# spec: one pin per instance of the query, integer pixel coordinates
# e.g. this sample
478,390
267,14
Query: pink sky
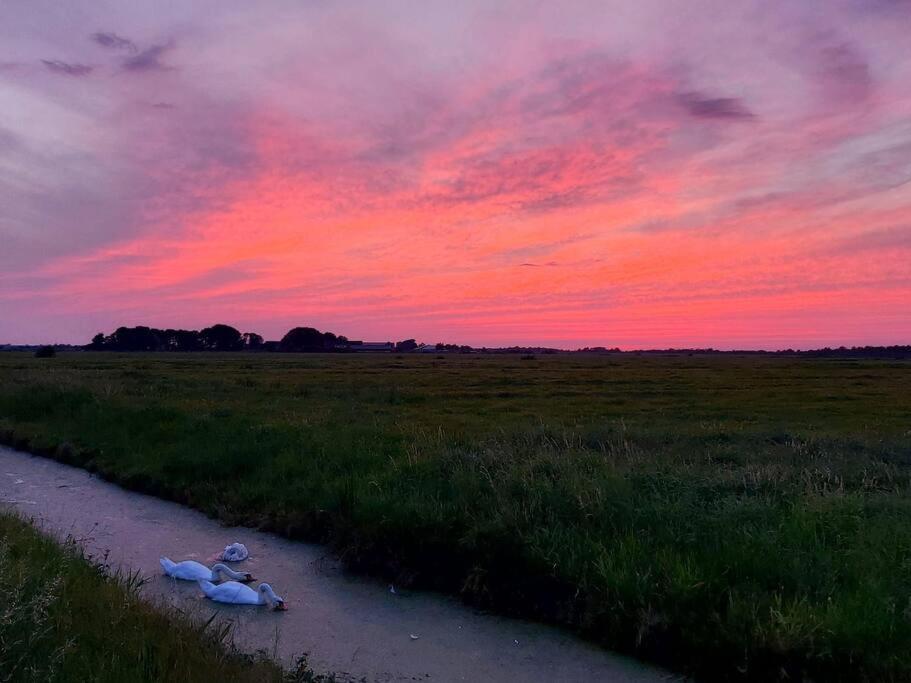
648,174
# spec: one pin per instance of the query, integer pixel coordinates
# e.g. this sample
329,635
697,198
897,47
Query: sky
643,174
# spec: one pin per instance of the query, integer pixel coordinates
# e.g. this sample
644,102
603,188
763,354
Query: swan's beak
280,606
248,578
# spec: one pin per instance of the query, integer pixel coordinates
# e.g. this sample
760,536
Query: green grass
64,618
735,517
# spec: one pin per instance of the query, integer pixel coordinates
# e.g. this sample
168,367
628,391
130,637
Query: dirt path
349,625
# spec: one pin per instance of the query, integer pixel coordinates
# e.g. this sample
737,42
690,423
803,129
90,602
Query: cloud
149,59
897,237
720,108
897,6
66,69
843,72
542,248
8,140
113,42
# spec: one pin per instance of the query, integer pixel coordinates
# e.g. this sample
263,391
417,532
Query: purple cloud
112,41
149,59
66,69
8,140
844,73
894,237
720,108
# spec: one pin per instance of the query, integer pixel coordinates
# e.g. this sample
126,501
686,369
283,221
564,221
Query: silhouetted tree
221,338
186,340
252,341
406,345
307,339
97,342
139,338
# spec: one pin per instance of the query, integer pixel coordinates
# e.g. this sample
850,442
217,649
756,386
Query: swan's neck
227,571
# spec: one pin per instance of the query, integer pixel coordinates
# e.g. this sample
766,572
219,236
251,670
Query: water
349,625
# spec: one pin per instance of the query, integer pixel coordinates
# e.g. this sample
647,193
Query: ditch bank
349,625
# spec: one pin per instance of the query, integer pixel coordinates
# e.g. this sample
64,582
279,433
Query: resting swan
239,594
190,570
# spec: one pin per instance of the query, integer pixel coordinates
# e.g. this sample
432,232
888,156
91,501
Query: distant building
360,346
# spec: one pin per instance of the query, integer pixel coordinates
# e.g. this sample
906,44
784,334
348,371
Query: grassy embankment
64,618
734,517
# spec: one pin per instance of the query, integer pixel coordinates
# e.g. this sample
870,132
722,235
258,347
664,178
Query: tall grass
735,518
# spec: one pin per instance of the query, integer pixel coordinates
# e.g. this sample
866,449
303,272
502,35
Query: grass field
731,516
64,618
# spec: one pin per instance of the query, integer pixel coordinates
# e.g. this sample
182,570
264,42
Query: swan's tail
167,565
206,586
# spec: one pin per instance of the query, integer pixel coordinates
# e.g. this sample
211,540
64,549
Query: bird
236,593
234,553
190,570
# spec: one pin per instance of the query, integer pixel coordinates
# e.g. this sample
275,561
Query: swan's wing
190,570
197,567
237,593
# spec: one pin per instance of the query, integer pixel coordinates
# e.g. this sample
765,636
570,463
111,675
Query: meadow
66,617
734,517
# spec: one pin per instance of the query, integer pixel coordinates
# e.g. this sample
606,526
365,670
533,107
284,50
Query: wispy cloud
67,69
721,108
149,59
112,41
896,237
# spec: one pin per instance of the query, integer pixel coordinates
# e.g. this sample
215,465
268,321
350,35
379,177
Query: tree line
215,338
309,339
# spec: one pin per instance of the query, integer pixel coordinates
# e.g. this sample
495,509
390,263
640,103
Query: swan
190,570
238,594
234,553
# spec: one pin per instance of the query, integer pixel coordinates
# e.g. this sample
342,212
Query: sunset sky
633,174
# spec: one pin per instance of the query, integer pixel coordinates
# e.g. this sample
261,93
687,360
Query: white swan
190,570
239,594
234,553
